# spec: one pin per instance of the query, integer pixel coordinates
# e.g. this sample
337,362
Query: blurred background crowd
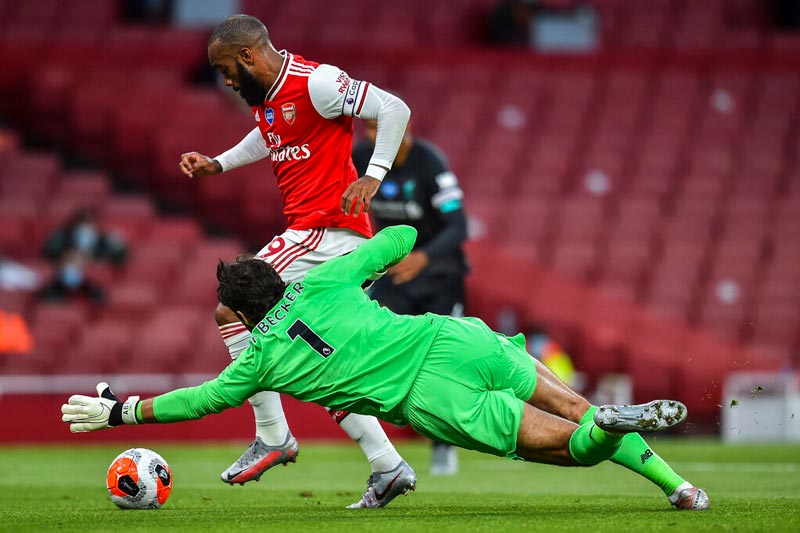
629,168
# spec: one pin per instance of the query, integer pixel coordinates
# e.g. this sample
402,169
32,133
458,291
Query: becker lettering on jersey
281,310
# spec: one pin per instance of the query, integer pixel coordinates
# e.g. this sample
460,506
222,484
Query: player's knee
223,315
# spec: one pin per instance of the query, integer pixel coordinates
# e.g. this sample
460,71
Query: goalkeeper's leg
633,452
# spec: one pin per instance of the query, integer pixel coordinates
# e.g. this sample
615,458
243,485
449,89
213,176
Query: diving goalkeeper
453,380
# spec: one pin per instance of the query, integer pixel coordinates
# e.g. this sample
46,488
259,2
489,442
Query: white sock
369,435
271,423
676,494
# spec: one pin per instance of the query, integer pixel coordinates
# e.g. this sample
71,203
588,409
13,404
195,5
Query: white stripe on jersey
298,66
274,92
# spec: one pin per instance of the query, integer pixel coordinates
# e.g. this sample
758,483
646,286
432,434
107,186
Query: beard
250,88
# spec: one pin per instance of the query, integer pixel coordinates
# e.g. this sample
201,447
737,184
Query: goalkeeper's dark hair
240,31
249,285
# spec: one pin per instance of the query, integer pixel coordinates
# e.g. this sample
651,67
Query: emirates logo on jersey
289,113
278,152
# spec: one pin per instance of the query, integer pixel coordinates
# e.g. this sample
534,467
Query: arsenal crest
289,113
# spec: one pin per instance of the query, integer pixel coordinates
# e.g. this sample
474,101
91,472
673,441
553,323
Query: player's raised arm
249,150
386,248
334,94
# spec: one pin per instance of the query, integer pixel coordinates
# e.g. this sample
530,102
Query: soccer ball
139,479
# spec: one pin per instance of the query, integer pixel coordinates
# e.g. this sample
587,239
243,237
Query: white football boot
657,415
383,487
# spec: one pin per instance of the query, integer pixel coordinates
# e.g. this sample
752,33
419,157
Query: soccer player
304,124
453,380
422,192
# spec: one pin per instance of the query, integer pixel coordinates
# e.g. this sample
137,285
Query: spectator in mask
83,233
70,281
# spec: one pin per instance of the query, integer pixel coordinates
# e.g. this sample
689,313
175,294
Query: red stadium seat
653,369
183,233
208,352
102,348
210,251
14,235
41,360
196,285
700,381
131,302
92,12
163,349
16,302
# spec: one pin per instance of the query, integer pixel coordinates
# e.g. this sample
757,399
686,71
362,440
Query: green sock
590,445
635,454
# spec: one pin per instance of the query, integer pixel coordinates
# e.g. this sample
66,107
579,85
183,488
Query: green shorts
471,388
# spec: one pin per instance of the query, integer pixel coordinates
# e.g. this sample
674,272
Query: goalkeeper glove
87,413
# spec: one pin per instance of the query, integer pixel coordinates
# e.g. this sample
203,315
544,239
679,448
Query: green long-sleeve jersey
326,342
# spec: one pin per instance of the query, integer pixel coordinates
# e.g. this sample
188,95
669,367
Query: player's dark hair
240,31
249,285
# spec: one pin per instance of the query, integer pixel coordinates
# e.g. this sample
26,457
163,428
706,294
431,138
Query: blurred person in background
15,276
304,124
421,191
82,232
70,280
510,22
544,348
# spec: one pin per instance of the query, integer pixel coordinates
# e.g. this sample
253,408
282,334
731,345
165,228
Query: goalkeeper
453,380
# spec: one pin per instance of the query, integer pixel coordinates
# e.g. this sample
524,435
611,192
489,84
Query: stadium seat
700,382
14,236
16,301
207,354
102,348
210,251
183,233
131,301
164,348
154,263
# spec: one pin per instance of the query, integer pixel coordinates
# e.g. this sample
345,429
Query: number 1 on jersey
300,329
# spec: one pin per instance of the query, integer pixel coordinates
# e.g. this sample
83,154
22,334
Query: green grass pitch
752,488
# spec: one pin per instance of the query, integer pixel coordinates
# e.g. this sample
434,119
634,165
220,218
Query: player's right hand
89,413
194,165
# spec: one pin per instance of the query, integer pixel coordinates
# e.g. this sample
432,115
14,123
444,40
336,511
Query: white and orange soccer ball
139,479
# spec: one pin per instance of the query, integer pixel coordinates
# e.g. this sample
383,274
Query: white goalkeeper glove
87,413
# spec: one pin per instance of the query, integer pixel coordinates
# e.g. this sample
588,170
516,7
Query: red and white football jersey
311,154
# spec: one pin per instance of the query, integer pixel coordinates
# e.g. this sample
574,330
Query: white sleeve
249,150
334,94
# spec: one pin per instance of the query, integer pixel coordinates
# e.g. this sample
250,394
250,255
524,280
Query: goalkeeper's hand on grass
89,413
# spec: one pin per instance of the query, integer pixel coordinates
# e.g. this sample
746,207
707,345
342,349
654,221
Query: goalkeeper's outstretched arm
92,413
